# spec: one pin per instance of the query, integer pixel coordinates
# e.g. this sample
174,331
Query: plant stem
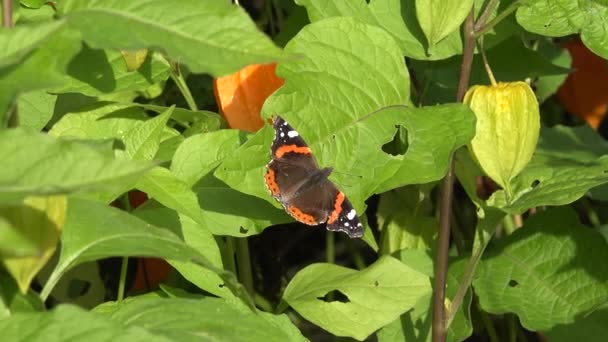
123,279
356,256
7,13
487,323
243,261
439,329
178,77
512,327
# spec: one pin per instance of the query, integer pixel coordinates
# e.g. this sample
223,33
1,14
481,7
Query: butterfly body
295,179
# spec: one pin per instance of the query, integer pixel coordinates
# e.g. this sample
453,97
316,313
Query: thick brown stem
443,241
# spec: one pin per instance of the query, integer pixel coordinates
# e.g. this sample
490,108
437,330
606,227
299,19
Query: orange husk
584,91
240,96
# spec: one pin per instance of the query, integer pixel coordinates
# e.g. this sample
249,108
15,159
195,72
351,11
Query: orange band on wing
271,182
337,208
301,216
291,148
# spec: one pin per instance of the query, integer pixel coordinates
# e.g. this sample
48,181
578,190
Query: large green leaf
375,296
43,67
96,72
217,38
43,165
558,18
195,236
549,272
346,118
196,319
70,323
568,162
397,17
94,231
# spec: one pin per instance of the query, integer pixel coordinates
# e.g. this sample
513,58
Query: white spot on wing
346,224
351,214
292,134
282,134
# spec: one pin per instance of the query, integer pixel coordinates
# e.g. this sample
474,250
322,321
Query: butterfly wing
292,162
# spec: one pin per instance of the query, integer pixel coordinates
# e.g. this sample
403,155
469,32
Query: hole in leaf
513,283
535,183
243,230
334,296
78,287
376,283
222,286
399,144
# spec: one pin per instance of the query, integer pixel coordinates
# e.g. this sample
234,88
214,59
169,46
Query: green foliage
105,100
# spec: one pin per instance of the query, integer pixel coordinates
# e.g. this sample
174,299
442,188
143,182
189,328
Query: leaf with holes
363,301
556,18
220,32
549,272
346,119
567,163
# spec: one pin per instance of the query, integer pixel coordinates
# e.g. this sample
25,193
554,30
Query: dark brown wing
313,205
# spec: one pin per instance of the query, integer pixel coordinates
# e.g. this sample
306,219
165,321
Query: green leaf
415,325
225,210
36,109
363,115
33,3
557,18
190,319
70,323
20,41
374,297
95,72
195,236
221,32
396,17
548,85
568,162
548,272
43,165
12,301
200,154
94,231
44,67
405,217
439,18
143,140
161,185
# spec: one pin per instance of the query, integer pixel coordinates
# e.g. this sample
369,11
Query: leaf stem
123,279
178,77
486,65
482,28
7,13
330,248
243,262
439,328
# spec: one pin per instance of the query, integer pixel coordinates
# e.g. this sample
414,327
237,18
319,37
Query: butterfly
294,178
